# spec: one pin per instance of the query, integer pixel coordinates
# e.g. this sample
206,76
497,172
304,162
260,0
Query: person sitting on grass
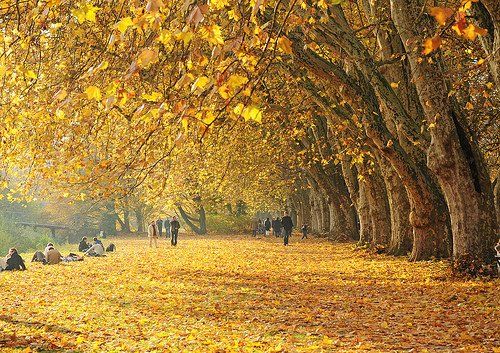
47,249
97,249
83,245
14,261
38,256
53,256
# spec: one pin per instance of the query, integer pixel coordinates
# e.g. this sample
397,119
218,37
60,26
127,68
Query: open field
222,294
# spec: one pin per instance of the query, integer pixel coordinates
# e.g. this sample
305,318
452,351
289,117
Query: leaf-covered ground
245,295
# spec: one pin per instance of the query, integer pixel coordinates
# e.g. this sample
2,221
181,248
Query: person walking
166,225
174,225
153,234
277,227
159,226
287,224
304,231
267,226
255,227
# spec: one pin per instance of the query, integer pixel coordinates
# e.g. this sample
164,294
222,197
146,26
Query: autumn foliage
245,295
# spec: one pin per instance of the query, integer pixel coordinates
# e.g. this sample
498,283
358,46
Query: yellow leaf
212,34
394,84
153,97
285,45
185,36
471,32
93,92
384,324
431,44
201,83
441,14
31,74
185,124
147,57
124,24
469,106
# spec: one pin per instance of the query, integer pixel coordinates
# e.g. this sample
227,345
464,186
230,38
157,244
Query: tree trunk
378,209
199,229
401,233
139,216
453,154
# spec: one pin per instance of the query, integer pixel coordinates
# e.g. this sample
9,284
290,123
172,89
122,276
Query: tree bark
453,154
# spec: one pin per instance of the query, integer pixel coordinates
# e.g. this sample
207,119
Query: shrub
24,239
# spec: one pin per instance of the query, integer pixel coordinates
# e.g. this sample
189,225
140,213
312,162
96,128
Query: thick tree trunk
493,49
378,209
139,216
453,154
191,221
401,233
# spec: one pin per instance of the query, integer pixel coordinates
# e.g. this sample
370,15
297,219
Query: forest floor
223,294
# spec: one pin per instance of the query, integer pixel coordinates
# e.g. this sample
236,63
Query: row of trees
375,120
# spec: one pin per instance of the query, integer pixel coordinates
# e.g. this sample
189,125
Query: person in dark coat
267,226
14,261
304,230
83,245
174,228
277,227
166,225
287,224
159,225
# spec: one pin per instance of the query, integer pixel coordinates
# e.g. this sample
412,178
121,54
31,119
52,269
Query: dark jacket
175,224
276,224
287,222
83,246
267,224
159,224
15,262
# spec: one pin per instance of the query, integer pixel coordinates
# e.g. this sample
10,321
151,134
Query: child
304,231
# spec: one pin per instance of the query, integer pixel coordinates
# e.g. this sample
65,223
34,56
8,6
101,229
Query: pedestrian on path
153,234
159,226
166,225
287,224
267,225
174,225
304,231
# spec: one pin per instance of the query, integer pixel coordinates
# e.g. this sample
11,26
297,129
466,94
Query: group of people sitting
94,249
52,256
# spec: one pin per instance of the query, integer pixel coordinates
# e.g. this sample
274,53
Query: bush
228,224
23,239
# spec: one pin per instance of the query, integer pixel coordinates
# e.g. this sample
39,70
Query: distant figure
174,225
497,249
260,227
14,261
166,225
38,256
304,231
159,225
53,256
255,227
97,249
287,223
277,227
49,245
111,247
153,234
267,226
83,245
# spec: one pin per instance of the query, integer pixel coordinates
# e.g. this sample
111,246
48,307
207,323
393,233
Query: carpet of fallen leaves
225,294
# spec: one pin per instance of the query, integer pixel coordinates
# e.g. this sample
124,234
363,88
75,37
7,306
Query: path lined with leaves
245,295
